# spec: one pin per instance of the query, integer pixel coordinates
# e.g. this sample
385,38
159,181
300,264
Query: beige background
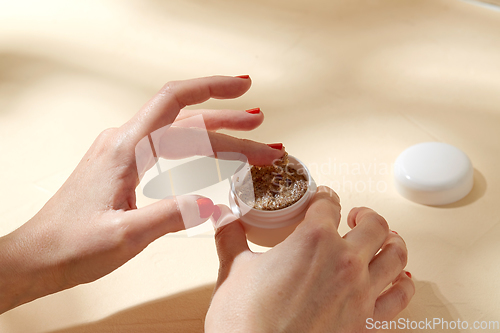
345,85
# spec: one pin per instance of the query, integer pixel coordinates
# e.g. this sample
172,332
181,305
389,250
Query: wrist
24,277
12,281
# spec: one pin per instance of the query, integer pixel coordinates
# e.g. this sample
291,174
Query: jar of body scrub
271,201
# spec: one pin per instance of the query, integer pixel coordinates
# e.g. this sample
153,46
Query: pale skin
325,282
92,226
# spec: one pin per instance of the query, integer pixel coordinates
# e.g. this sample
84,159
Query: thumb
168,215
230,238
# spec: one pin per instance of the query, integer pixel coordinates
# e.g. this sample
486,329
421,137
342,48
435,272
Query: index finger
163,108
369,232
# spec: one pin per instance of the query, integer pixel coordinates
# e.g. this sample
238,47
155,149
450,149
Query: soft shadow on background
426,304
477,192
341,72
183,312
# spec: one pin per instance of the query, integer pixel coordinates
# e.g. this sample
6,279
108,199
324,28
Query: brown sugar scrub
275,186
280,204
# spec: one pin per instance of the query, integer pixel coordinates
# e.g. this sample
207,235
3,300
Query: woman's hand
315,280
92,226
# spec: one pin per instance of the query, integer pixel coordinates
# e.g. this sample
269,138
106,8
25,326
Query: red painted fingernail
206,207
408,274
394,232
243,76
216,214
278,146
254,111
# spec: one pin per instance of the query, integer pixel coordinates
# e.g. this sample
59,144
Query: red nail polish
243,76
278,146
394,232
216,214
254,111
206,207
408,274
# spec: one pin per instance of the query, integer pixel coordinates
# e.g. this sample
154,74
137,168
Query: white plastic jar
270,227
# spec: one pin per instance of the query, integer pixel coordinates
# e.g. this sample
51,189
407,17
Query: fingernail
408,274
216,214
394,232
278,146
243,76
206,207
254,111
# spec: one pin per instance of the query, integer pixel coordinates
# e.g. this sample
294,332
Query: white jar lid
433,173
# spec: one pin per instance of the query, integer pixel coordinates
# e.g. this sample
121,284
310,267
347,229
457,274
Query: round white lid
433,173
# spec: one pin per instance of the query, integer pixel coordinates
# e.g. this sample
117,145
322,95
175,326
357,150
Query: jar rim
273,218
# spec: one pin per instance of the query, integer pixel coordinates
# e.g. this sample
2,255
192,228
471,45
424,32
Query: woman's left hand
92,226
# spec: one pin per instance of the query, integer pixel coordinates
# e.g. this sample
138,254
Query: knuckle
399,252
349,265
349,269
330,192
402,298
111,139
221,235
376,218
169,90
129,244
333,201
246,142
221,242
121,236
319,232
107,134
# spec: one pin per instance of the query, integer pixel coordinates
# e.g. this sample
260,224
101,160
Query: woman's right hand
315,280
